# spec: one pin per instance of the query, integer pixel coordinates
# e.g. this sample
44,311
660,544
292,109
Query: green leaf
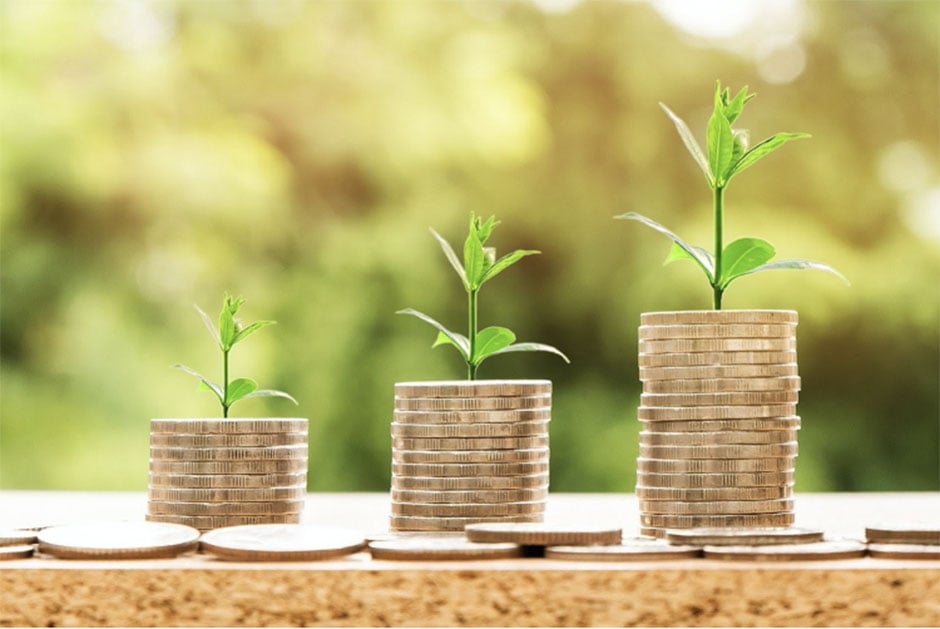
531,347
452,258
797,264
743,255
239,388
690,143
272,393
761,149
473,260
491,340
228,328
483,229
734,107
739,144
211,326
702,257
505,262
211,385
457,340
720,141
254,327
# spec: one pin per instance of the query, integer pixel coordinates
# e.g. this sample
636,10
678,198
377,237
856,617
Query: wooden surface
357,591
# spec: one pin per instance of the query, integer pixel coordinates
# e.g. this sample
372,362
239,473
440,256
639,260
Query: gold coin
544,534
747,398
762,536
209,522
230,454
470,431
705,372
699,521
259,494
675,346
472,417
20,551
452,483
473,388
469,469
717,330
439,524
750,437
223,481
904,533
281,542
717,425
714,480
712,466
898,551
720,507
117,540
714,359
636,549
722,385
471,496
467,510
696,413
271,507
472,403
275,466
16,537
730,452
250,425
227,440
813,551
495,443
440,548
470,456
693,317
699,494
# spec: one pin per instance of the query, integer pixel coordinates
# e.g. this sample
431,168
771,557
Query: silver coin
173,494
467,510
473,417
226,440
813,551
232,481
472,403
469,469
699,345
281,542
715,480
721,437
16,537
470,496
718,507
698,494
455,483
415,523
628,550
270,453
710,521
703,359
440,548
722,385
545,534
690,413
904,533
744,537
240,468
717,330
898,551
209,522
273,507
724,317
470,456
719,425
21,551
471,443
117,540
707,372
469,431
714,466
221,426
737,398
473,388
732,451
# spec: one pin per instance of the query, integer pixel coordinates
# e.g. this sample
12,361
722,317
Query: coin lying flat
118,540
722,385
744,398
710,521
281,542
544,534
763,536
469,482
687,359
900,551
467,443
635,549
208,522
721,507
418,523
472,417
764,370
471,403
230,454
673,346
268,494
720,466
21,551
471,497
441,548
16,537
473,388
717,331
469,431
813,551
271,507
733,451
276,466
227,481
715,480
467,510
690,413
689,494
468,469
721,425
470,456
254,425
692,317
227,440
910,533
721,437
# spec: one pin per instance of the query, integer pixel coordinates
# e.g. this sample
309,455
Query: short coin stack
211,473
469,451
719,425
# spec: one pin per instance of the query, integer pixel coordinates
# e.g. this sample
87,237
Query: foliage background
155,154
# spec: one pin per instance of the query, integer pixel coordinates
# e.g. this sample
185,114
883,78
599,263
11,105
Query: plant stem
224,383
719,224
472,334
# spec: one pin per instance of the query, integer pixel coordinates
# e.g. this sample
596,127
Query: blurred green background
156,154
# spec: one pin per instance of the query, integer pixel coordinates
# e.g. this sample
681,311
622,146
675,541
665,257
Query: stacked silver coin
469,451
719,426
210,473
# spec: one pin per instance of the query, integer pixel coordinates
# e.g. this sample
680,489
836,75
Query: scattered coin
227,440
441,548
714,466
701,359
693,317
734,451
717,330
722,385
208,522
813,551
472,417
470,456
675,346
693,494
910,533
275,466
470,443
467,510
721,437
117,540
702,521
254,425
714,480
544,534
450,483
16,537
470,431
763,536
414,523
636,549
273,507
695,413
705,372
471,403
21,551
745,398
470,497
225,495
232,481
473,388
468,469
230,454
719,507
718,425
281,542
900,551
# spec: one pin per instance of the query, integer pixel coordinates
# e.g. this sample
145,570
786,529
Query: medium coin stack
719,427
212,473
469,451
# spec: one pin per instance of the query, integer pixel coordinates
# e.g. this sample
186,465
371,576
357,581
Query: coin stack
469,451
719,427
210,473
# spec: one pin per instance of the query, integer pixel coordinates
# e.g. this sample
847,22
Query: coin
233,481
691,317
276,466
544,534
281,542
690,413
468,469
744,537
701,521
16,537
718,507
898,551
117,540
674,346
470,456
470,431
717,425
441,548
719,371
271,507
701,359
909,533
253,425
813,551
497,443
733,451
749,398
470,496
453,483
714,480
693,494
467,510
628,550
751,437
21,551
174,494
230,454
208,522
472,417
713,466
414,523
472,403
717,330
473,388
227,440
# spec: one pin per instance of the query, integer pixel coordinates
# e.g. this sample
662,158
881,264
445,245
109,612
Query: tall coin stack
718,443
465,452
211,473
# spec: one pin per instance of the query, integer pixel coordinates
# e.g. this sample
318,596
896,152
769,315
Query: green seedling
230,332
480,265
728,155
